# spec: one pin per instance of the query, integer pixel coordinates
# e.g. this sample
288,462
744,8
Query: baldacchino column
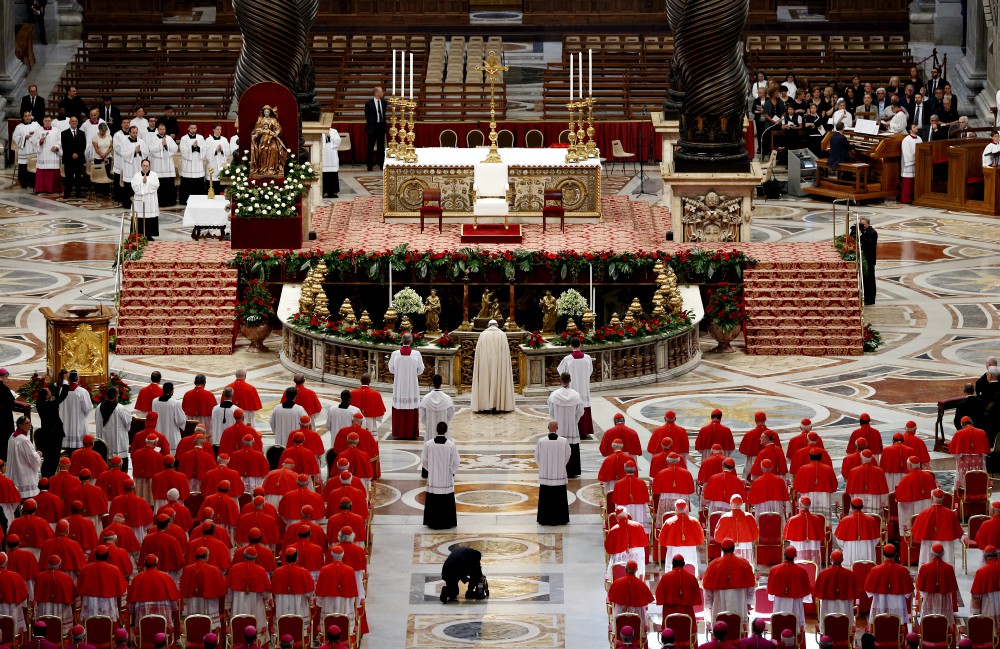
711,179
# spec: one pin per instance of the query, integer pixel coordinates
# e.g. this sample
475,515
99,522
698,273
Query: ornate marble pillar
948,22
13,73
922,20
972,68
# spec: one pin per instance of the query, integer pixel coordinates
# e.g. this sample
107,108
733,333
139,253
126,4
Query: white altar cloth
201,211
515,157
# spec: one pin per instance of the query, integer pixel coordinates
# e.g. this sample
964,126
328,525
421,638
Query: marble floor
937,309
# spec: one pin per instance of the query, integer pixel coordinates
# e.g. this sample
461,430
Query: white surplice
579,370
285,420
566,408
44,141
338,418
171,419
551,456
222,418
331,159
492,373
73,412
192,162
91,128
23,465
909,149
23,136
146,202
441,463
406,371
132,153
161,155
435,407
217,152
115,432
255,604
118,141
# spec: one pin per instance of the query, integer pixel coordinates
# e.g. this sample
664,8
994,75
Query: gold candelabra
393,149
492,68
582,144
409,152
571,155
592,150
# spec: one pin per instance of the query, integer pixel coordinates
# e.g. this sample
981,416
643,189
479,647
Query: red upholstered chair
193,503
969,540
887,631
936,633
617,571
54,631
974,498
684,630
100,631
195,628
784,620
295,626
343,623
763,606
770,545
812,570
980,630
623,620
8,628
553,208
892,519
713,546
733,620
861,570
432,211
839,627
236,626
149,626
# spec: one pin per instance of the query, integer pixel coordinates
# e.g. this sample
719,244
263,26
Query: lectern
76,338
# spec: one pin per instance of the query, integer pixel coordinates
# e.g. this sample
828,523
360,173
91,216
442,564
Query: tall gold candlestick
581,149
411,136
592,150
393,147
571,156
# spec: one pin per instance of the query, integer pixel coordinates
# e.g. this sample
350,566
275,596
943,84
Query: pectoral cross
492,68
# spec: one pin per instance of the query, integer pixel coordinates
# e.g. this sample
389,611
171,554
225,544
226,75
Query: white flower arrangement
265,199
571,303
407,301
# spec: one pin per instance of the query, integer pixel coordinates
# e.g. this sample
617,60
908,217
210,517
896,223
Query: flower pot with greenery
407,302
255,314
265,213
571,304
725,315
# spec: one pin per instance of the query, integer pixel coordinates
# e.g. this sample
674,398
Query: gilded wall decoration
712,218
82,350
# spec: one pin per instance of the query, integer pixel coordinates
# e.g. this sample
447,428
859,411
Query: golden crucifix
492,68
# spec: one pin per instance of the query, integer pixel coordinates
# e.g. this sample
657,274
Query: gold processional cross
492,68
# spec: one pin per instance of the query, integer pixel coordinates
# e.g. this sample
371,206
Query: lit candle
402,74
394,73
581,76
571,77
590,79
411,76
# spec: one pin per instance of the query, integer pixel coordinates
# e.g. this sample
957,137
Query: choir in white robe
566,408
23,465
216,155
192,162
91,127
161,155
435,407
441,462
118,141
171,419
140,123
132,153
222,418
338,418
44,141
579,370
552,456
74,412
991,155
492,373
285,420
23,137
114,433
909,149
234,145
145,200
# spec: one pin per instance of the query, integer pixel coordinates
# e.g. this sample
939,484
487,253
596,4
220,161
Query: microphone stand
641,190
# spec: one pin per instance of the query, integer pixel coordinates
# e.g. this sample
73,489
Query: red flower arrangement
535,340
257,305
114,380
725,306
446,341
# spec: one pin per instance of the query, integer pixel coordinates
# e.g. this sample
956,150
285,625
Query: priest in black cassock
439,463
551,455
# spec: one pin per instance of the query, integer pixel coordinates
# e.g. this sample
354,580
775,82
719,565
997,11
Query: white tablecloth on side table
205,212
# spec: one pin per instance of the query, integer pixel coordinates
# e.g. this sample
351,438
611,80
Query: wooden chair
888,631
534,139
812,570
345,145
633,620
770,545
194,630
8,629
969,540
936,632
563,136
980,630
100,631
553,208
475,138
448,139
505,139
342,622
427,210
619,154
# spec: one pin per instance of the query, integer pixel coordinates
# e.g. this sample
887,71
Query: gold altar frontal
530,173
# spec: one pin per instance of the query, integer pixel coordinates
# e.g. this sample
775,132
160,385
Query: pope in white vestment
566,409
74,412
406,366
492,373
435,407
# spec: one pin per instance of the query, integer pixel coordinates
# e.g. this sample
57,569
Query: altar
531,172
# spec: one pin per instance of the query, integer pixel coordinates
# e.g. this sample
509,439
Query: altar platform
531,172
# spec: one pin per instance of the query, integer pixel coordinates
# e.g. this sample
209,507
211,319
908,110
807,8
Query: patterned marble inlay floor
461,630
496,548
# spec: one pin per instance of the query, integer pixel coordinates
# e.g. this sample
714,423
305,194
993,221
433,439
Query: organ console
872,173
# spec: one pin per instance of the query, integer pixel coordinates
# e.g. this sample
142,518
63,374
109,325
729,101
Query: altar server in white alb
193,155
341,415
580,367
991,154
436,406
47,143
117,142
439,462
492,373
552,454
909,148
23,464
113,421
406,366
286,417
74,412
23,139
566,409
171,419
217,151
223,415
133,152
145,201
161,155
331,163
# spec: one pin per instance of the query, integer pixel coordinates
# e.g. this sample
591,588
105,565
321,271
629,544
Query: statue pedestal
669,131
77,342
699,217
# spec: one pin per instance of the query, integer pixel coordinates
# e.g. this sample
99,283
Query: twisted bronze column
707,34
274,42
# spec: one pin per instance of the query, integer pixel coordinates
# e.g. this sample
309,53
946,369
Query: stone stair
803,308
177,307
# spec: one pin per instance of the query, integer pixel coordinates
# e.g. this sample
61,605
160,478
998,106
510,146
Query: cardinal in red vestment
671,483
87,458
49,506
712,464
801,440
613,468
54,592
815,446
268,530
989,531
164,546
202,585
305,397
753,440
937,523
722,486
137,512
854,459
218,551
986,586
659,461
232,436
729,583
127,539
913,493
359,462
32,529
628,436
890,586
626,540
139,441
911,439
770,450
715,433
678,590
369,402
893,460
292,502
681,534
740,527
788,587
13,594
872,437
62,546
115,555
63,481
347,518
112,481
264,556
358,496
806,532
144,401
303,459
629,594
970,445
768,493
817,481
632,493
868,483
199,402
81,528
245,395
23,562
938,586
101,579
169,478
858,534
153,590
836,587
676,434
366,442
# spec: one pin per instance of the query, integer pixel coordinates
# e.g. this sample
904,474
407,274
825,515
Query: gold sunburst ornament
492,68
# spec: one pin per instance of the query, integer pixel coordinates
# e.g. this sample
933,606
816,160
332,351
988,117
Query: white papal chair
490,191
